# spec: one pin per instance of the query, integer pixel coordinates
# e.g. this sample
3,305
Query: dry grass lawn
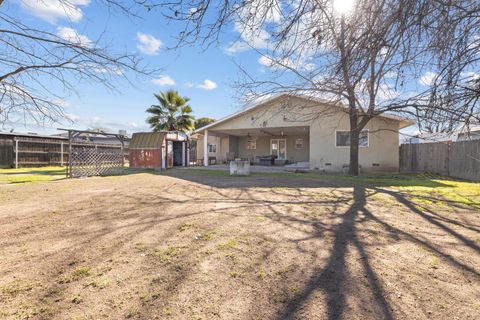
202,245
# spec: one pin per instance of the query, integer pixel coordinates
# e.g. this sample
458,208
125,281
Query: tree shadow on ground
221,179
333,278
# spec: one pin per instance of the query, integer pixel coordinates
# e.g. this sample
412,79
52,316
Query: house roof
404,122
147,140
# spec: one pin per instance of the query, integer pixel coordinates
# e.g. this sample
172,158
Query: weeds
185,226
76,275
168,254
208,235
15,287
230,244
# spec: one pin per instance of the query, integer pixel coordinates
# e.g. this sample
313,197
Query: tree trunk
354,142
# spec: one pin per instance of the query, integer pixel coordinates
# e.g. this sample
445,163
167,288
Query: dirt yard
202,245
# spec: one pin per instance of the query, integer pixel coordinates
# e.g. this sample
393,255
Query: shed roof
147,140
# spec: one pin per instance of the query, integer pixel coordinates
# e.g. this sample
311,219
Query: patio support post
205,149
184,149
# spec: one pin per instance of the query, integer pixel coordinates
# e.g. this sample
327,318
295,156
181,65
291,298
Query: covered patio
268,146
296,167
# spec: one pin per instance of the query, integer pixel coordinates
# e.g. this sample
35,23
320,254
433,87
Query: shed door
169,154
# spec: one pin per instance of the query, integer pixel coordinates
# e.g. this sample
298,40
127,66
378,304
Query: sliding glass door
278,148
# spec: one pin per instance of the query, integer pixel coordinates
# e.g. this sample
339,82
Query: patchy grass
420,185
186,226
230,244
15,287
168,254
29,175
77,274
207,235
191,244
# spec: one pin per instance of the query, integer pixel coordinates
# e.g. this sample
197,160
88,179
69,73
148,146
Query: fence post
61,154
69,169
123,156
16,154
449,154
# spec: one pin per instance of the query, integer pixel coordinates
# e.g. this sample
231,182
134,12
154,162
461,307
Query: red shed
159,150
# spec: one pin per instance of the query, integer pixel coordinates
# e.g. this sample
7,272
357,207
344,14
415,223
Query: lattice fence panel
95,161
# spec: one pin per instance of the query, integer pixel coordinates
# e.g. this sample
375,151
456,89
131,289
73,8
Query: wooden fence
455,159
29,152
6,153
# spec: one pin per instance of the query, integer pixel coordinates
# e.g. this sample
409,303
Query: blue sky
205,76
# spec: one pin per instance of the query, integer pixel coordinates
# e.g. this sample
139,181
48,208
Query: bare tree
455,85
39,67
361,55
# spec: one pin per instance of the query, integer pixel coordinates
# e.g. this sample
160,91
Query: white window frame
368,139
210,147
296,145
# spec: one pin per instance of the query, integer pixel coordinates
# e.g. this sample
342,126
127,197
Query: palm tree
202,122
172,113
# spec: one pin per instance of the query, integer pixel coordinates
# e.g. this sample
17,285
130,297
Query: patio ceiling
277,131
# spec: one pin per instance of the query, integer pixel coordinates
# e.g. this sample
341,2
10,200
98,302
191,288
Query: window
212,148
299,143
251,144
343,139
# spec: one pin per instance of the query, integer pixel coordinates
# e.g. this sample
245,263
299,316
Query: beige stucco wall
291,112
383,146
323,121
222,147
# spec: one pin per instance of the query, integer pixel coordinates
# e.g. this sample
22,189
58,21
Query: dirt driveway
197,245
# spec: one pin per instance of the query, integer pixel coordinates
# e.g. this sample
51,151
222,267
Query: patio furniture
266,160
230,157
212,160
280,162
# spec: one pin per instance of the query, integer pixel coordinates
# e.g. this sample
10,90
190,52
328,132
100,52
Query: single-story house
297,129
159,150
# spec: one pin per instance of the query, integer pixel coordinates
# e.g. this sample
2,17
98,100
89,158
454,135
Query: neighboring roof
147,140
32,135
406,122
444,136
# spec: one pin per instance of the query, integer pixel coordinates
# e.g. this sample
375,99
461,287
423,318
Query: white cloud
164,81
148,44
265,61
95,122
72,35
469,75
286,63
62,103
51,10
207,85
72,117
386,93
249,24
236,47
428,78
